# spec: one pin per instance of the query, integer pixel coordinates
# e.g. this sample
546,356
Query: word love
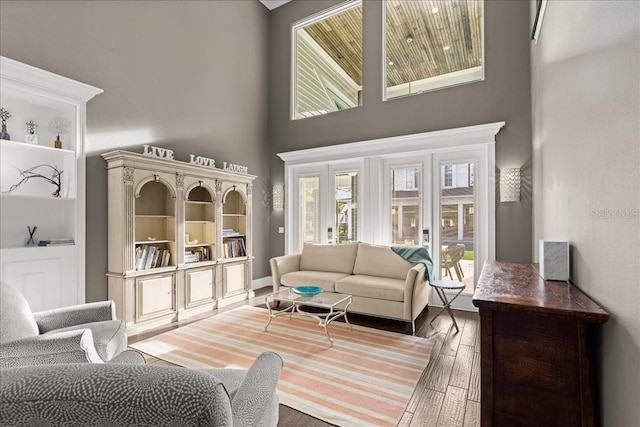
202,161
163,153
234,168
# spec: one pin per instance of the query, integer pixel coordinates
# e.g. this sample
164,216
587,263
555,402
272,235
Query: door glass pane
309,215
405,206
457,223
346,207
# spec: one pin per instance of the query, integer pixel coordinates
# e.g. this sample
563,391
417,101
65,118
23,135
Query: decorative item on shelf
57,242
59,126
32,241
4,115
31,173
31,137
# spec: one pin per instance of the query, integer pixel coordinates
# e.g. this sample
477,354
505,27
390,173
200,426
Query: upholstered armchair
82,333
141,395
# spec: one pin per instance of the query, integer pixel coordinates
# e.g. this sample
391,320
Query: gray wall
504,95
586,144
190,76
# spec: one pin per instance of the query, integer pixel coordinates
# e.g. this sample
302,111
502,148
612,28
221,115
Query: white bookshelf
49,276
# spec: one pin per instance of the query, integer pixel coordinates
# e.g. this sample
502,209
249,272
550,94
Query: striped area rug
365,379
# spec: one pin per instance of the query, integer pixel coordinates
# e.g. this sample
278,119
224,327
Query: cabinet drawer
200,287
155,296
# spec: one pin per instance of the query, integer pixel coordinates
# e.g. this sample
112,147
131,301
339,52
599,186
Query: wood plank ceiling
424,38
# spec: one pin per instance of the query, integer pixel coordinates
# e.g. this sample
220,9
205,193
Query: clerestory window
431,44
327,61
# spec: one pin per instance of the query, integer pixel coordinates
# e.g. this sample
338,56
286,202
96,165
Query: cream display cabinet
179,238
50,269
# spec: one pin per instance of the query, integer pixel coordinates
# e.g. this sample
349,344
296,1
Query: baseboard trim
262,282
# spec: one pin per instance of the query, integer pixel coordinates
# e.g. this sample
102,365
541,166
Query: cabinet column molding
128,211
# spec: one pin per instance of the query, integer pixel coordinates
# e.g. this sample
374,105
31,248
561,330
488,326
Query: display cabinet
179,238
49,269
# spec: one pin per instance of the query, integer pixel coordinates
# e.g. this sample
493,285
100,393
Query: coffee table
325,300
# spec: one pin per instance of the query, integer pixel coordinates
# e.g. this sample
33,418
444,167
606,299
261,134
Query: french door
435,189
326,204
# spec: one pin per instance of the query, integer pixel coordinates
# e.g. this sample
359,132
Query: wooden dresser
536,351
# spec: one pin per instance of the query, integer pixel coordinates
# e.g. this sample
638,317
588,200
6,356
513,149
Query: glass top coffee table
328,301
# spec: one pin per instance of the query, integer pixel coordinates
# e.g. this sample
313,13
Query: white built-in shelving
49,276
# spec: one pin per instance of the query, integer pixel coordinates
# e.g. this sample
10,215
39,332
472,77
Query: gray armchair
82,333
141,395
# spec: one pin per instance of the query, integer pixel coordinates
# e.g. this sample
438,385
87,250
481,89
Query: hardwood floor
447,394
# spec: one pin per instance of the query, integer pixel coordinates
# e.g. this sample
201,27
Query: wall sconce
510,185
278,197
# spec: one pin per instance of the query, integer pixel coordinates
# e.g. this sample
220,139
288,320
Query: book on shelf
192,256
56,242
149,256
230,232
234,248
202,253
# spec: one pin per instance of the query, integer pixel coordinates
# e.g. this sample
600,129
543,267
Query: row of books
56,242
234,248
202,253
148,256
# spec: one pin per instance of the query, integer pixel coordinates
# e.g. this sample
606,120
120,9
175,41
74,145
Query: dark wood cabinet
536,351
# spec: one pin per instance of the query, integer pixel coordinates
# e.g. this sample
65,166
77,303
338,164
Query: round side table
440,286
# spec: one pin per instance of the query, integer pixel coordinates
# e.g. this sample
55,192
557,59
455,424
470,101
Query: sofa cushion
16,318
109,337
324,279
85,394
380,261
372,287
336,258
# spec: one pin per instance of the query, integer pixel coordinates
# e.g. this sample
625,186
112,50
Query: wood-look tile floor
447,394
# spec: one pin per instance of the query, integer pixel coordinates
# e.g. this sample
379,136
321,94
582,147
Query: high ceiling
272,4
425,38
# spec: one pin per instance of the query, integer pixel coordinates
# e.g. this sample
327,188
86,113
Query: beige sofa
381,282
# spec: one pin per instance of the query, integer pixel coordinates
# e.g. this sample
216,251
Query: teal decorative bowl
306,291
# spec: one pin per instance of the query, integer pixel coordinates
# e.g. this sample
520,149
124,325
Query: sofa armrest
282,265
74,315
251,404
63,347
129,357
415,288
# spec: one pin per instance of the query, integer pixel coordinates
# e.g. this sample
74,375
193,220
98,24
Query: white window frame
326,173
303,23
444,81
483,199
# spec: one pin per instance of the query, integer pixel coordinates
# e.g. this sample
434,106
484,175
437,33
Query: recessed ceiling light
434,10
447,48
390,62
409,39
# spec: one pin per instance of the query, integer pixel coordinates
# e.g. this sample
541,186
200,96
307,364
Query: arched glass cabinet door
234,227
155,226
199,226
